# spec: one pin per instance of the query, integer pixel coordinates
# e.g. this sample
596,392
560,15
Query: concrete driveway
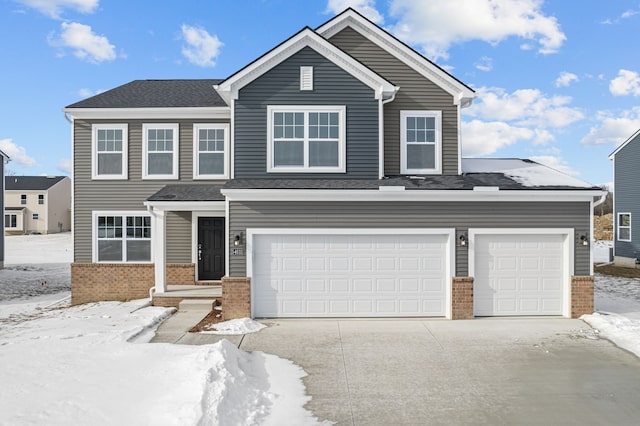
486,371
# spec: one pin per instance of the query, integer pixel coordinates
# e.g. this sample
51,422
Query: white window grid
124,227
435,134
108,139
623,227
155,141
217,141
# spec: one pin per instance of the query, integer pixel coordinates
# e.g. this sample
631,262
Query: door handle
199,252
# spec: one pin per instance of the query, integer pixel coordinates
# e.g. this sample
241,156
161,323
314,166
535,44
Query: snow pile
525,172
81,365
622,331
235,326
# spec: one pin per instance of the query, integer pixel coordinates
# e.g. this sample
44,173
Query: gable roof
4,156
157,94
463,94
305,38
30,183
623,144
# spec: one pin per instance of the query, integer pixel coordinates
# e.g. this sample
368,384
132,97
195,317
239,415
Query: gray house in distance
4,159
323,179
626,202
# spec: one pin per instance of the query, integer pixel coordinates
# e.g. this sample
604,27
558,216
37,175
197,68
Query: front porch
175,294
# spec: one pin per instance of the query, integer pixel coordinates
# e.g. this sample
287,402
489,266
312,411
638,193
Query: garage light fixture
237,239
463,240
584,240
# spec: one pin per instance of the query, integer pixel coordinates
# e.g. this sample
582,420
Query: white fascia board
204,113
412,195
623,144
305,38
462,95
185,206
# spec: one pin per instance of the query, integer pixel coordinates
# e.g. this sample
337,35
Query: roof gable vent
306,78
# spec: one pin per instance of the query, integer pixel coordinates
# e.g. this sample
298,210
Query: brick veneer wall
93,282
181,273
236,297
581,296
461,298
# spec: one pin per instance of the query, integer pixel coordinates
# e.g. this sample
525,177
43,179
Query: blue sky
555,82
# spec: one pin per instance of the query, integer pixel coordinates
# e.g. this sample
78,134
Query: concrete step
197,304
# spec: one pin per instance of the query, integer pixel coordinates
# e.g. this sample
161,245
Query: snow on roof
525,172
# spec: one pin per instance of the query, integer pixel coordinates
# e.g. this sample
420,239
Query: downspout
152,289
381,104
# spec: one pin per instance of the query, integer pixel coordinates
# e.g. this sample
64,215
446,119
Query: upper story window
160,151
308,139
420,142
624,226
122,237
40,198
23,199
210,151
109,155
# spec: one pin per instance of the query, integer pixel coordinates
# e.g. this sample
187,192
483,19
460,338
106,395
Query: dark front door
210,248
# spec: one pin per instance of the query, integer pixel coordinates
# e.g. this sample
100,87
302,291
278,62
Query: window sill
211,177
114,177
160,177
305,170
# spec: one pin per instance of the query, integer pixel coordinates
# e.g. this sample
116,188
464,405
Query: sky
556,81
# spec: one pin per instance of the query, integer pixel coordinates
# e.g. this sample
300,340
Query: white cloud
435,25
17,153
54,8
613,130
566,78
484,138
366,7
202,48
485,64
87,93
525,107
626,83
555,162
65,166
629,13
86,45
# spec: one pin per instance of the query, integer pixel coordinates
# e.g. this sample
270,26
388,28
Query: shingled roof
30,183
157,94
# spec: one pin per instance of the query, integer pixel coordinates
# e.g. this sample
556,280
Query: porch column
159,251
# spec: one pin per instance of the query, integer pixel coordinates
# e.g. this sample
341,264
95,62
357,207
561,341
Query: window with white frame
122,237
109,151
306,139
160,151
624,226
421,142
210,148
10,221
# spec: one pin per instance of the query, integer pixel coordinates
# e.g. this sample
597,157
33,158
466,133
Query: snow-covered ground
36,265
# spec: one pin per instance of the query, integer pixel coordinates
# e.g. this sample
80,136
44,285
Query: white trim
94,150
459,141
185,206
172,113
175,127
462,95
123,213
232,135
229,88
437,115
412,195
73,185
450,251
614,210
568,253
196,150
380,139
227,263
306,78
159,250
618,227
591,237
194,237
306,109
623,144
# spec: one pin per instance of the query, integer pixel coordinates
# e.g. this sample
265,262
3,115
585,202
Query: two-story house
37,204
626,202
4,159
323,179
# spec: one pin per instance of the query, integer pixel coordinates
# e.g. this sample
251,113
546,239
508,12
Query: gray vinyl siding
118,195
627,196
416,93
281,86
459,215
2,210
178,237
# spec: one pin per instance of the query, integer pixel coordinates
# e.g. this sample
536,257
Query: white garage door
349,275
518,275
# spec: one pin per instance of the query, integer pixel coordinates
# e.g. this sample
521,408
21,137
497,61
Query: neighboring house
626,202
4,159
37,204
324,179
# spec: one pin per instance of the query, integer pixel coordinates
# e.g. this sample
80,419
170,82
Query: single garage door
518,275
349,275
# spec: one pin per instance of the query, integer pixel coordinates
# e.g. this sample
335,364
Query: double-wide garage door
519,274
317,275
